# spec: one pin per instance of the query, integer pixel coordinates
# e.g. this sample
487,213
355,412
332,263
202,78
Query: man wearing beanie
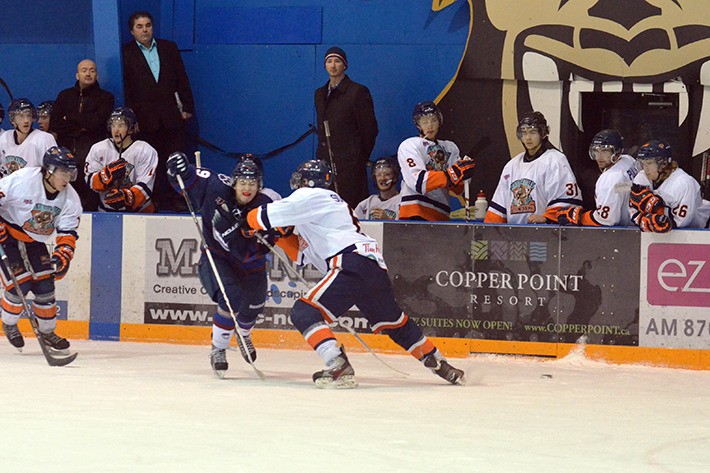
348,108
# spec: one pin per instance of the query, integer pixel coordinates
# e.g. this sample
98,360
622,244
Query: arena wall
475,288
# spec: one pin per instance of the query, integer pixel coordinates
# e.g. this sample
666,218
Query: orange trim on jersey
253,219
409,210
290,246
319,336
11,308
436,180
492,217
396,325
45,312
322,282
18,235
420,351
9,284
66,240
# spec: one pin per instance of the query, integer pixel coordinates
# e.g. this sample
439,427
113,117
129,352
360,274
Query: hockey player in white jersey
329,237
536,184
24,146
430,168
664,196
37,206
120,169
611,193
385,204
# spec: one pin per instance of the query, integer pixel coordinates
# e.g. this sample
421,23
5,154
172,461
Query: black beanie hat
337,52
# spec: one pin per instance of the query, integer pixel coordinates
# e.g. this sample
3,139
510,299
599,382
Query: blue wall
254,65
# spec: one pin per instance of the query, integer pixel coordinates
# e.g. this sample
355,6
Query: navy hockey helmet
389,162
126,115
426,108
248,168
45,108
313,173
534,120
21,105
658,150
59,158
607,140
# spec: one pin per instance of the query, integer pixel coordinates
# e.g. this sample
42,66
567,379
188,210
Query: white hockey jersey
611,193
423,163
323,223
681,194
14,156
364,209
30,214
534,187
140,171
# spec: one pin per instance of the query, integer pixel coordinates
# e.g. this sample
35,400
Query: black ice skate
339,374
218,359
13,335
56,343
249,350
442,368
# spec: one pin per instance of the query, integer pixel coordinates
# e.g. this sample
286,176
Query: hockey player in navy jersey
38,206
239,260
328,236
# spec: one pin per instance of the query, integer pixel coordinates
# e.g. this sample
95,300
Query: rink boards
528,290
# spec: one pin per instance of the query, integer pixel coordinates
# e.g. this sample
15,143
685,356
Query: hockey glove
459,172
655,223
227,222
120,199
114,171
570,216
3,232
177,165
645,201
61,257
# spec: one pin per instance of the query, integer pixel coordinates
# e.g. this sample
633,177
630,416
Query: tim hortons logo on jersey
176,263
678,275
42,220
522,202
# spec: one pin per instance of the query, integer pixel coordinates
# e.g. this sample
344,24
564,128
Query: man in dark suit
348,108
158,90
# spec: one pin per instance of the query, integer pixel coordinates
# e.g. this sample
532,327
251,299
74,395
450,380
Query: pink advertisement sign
678,275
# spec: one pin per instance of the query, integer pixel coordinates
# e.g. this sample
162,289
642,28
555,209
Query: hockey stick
217,277
330,155
480,145
294,273
51,359
198,159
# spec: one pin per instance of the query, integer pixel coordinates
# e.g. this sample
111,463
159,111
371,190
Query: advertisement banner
675,290
510,283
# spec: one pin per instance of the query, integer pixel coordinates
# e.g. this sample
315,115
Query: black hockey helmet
658,150
45,108
313,173
534,120
607,140
248,168
59,157
126,115
426,108
388,162
21,105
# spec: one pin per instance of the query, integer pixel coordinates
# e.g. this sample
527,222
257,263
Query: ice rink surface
155,408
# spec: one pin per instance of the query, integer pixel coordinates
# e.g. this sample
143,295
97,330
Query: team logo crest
522,199
42,220
13,163
438,157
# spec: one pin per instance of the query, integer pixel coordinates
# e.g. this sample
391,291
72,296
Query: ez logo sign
678,275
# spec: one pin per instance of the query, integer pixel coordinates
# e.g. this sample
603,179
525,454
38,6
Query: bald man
79,118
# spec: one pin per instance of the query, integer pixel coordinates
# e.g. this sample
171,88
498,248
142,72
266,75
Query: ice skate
218,359
13,335
338,374
442,368
56,343
249,350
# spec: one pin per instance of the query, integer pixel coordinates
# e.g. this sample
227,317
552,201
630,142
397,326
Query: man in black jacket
78,118
347,107
158,90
